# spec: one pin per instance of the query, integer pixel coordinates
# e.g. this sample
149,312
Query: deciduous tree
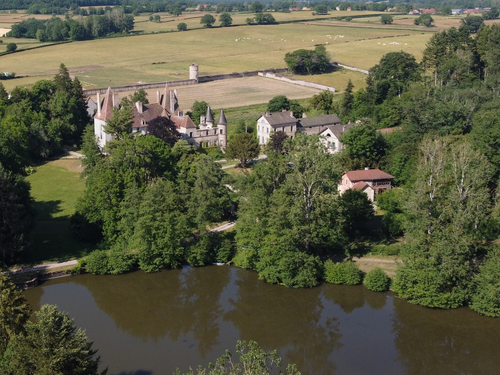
243,147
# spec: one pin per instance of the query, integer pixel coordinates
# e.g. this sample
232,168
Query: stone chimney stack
304,115
367,168
138,105
98,103
116,102
291,114
158,97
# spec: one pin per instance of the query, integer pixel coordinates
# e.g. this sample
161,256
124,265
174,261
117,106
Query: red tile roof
361,185
368,175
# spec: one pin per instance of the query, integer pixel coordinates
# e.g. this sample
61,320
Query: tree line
56,29
34,125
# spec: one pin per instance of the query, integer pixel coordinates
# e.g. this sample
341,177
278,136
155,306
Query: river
150,324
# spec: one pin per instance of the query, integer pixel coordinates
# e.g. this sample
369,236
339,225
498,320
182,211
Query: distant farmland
166,56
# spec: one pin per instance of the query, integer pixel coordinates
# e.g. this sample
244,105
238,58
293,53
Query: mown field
55,187
159,57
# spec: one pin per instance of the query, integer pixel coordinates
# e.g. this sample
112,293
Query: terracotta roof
222,118
280,118
106,107
368,175
324,120
361,185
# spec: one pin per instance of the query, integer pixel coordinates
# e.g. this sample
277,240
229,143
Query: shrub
109,262
11,47
182,26
246,257
376,280
486,298
342,273
97,262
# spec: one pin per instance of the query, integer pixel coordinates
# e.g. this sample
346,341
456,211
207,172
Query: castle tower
222,129
193,72
209,118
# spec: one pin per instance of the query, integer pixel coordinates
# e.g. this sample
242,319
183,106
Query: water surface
150,324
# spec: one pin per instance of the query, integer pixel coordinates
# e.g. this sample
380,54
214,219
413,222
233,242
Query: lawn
55,187
160,57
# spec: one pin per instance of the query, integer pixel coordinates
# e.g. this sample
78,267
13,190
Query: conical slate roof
208,116
222,118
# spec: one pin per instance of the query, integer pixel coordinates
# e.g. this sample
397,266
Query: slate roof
337,130
324,120
368,175
280,118
208,116
183,122
222,118
149,112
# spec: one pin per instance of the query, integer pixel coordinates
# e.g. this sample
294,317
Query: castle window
221,131
215,131
258,128
190,134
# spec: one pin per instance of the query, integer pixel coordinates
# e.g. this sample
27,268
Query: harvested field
236,92
155,58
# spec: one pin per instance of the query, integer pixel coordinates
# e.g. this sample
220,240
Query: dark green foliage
207,20
324,102
376,280
342,273
199,109
304,61
243,147
281,102
321,9
386,19
225,19
264,19
16,216
182,26
11,47
346,105
392,76
486,296
472,23
448,215
109,262
51,345
491,14
14,312
424,19
277,140
55,29
392,202
356,210
364,146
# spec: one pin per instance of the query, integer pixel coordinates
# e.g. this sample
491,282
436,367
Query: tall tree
14,312
243,147
448,212
164,128
347,102
52,345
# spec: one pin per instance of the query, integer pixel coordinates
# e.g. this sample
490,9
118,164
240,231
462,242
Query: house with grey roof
327,126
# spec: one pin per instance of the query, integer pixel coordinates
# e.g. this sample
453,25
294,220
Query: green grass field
55,187
159,57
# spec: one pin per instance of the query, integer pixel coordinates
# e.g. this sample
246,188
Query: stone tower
193,72
222,129
209,120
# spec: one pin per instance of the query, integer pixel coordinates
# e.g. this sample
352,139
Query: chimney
367,168
98,103
304,115
291,114
116,102
343,128
158,97
138,105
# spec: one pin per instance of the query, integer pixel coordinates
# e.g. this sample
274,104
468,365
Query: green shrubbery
342,273
376,280
103,262
486,299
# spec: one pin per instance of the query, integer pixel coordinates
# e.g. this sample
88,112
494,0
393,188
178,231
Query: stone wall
185,82
296,81
345,66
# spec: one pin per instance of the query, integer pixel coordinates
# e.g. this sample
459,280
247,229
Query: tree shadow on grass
45,210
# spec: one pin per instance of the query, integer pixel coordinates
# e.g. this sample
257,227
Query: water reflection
446,341
283,318
350,298
149,324
167,304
